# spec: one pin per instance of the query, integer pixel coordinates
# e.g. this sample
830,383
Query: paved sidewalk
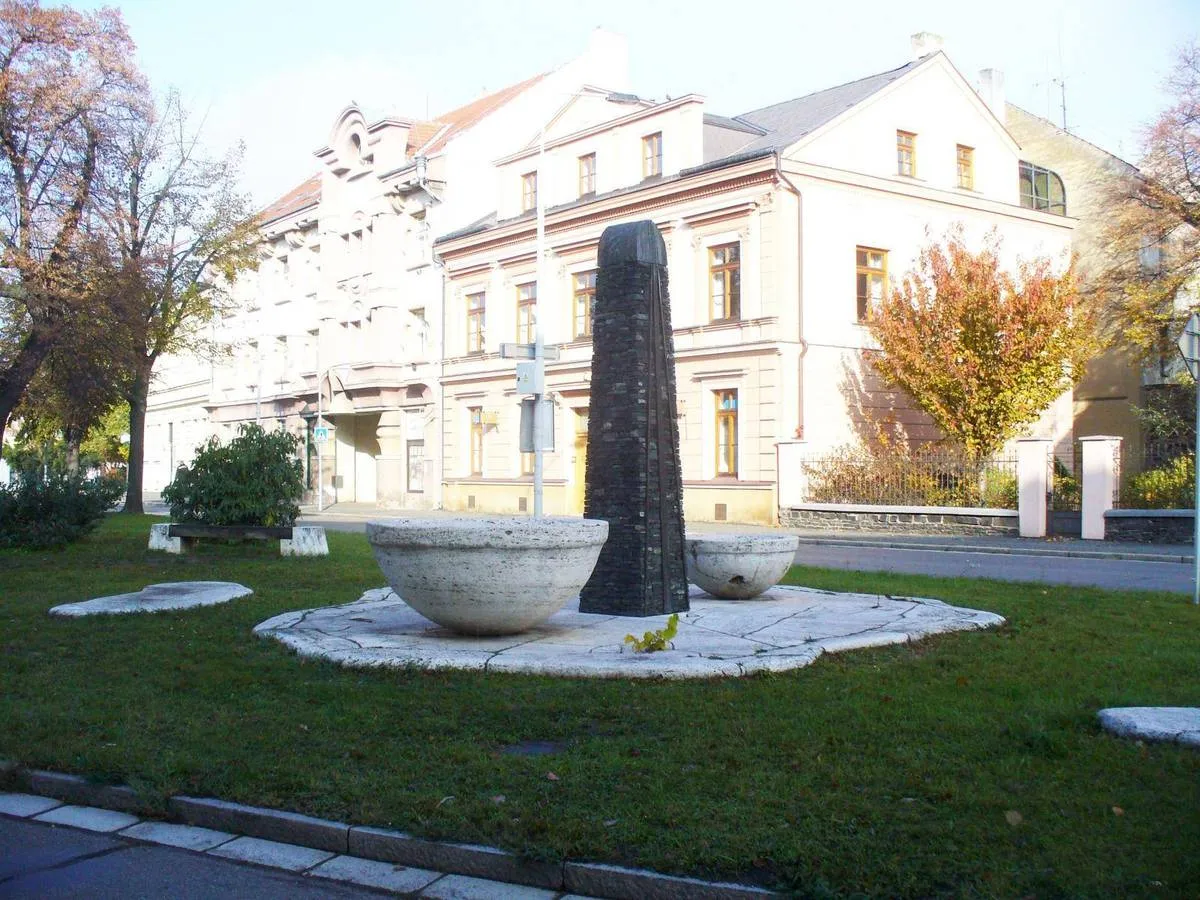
53,850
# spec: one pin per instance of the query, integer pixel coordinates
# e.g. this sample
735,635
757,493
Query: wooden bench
300,540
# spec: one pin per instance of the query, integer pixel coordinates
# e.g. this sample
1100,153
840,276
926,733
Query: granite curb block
619,883
460,859
273,825
1000,551
384,845
81,792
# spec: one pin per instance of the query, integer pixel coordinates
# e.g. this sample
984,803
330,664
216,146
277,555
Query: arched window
1042,189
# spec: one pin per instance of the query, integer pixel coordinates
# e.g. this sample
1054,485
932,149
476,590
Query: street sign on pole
1189,348
527,351
322,433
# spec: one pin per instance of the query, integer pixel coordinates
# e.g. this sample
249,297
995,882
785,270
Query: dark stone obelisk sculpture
633,474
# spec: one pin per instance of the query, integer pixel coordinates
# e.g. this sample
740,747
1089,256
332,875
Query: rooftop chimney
924,43
991,91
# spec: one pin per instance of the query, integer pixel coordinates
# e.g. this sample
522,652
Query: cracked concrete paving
785,628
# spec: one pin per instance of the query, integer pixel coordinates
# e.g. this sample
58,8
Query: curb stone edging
271,824
380,844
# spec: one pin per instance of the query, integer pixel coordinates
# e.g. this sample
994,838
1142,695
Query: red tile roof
426,137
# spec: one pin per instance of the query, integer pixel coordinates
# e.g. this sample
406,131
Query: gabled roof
459,120
425,138
782,124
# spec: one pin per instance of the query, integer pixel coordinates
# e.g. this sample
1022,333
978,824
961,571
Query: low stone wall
900,519
1150,526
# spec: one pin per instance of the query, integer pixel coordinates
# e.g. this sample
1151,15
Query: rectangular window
526,463
528,191
727,432
526,312
652,155
583,304
1042,189
587,174
416,466
906,153
476,413
966,167
870,268
475,322
725,281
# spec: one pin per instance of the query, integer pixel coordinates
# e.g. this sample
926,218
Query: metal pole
539,360
1196,502
320,444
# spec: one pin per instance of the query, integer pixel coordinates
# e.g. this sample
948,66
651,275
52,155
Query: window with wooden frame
476,418
1042,189
475,321
906,154
652,155
870,268
528,191
727,432
587,174
526,463
725,281
965,157
583,304
526,312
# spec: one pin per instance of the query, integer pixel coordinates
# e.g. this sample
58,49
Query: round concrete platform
784,628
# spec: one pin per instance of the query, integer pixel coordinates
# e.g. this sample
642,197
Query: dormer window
652,155
1042,189
528,191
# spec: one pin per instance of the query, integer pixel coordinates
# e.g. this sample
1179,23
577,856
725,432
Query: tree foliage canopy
983,351
1152,236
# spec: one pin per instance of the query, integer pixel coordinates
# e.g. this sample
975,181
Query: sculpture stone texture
633,477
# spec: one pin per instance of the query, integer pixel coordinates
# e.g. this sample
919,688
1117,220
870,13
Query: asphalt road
1118,574
49,862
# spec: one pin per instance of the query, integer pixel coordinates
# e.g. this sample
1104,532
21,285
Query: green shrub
41,513
1171,486
255,479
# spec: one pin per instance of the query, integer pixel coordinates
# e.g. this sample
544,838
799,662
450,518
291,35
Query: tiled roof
785,123
424,137
459,120
304,194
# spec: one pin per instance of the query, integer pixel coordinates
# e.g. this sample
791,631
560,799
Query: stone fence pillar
1101,454
791,478
1033,466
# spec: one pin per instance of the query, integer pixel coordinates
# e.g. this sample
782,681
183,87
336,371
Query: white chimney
991,91
924,43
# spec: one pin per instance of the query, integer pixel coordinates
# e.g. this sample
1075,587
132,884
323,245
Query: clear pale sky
275,74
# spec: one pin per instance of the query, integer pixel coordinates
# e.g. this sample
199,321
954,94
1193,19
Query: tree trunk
17,376
74,437
138,392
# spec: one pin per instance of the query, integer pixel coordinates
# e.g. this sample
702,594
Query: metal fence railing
920,477
1158,475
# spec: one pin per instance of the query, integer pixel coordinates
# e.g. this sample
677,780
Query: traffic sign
322,434
1189,345
526,351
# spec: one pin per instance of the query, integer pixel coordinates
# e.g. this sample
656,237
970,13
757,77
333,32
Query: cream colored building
780,224
389,280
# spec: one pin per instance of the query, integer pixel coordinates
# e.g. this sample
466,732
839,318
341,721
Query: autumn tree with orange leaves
67,87
981,349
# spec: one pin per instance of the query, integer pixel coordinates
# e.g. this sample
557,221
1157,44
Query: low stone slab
189,837
273,824
25,805
1180,724
784,628
88,817
306,540
464,887
158,597
372,873
272,853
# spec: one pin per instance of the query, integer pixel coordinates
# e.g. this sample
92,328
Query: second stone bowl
739,566
487,576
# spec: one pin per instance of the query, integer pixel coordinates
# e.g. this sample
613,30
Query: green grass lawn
969,765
